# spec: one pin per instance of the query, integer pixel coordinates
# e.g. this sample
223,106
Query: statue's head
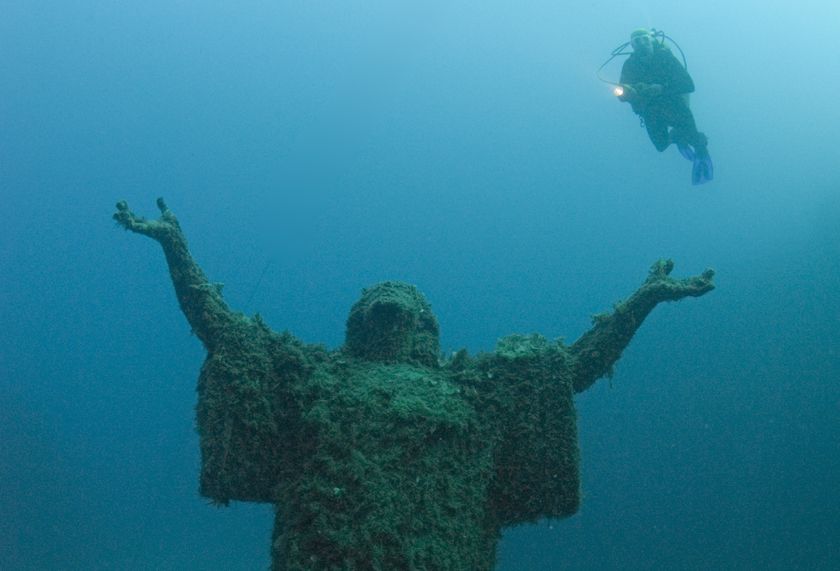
393,323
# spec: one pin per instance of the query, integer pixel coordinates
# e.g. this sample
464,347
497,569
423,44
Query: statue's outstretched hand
200,300
597,350
662,286
164,227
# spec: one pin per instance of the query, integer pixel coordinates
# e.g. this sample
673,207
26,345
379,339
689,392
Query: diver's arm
629,72
598,349
200,300
628,78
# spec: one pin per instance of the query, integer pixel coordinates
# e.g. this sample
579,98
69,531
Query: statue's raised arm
246,413
200,300
598,349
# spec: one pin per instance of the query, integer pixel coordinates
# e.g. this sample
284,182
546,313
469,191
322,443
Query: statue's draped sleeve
245,411
528,388
530,404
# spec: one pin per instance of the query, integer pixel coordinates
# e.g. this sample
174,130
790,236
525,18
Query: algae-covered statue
380,454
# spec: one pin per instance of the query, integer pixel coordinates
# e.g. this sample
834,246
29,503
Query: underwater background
311,149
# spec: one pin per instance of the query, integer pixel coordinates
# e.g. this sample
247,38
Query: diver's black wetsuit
668,109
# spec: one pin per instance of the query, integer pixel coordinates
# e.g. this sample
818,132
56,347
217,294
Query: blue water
464,147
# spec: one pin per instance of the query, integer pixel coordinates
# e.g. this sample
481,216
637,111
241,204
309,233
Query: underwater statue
381,455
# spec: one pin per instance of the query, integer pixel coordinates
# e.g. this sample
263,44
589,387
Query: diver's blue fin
703,169
686,151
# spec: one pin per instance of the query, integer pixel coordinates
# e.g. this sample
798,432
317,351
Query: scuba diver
657,85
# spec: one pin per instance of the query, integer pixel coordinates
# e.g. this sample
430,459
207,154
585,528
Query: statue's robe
388,465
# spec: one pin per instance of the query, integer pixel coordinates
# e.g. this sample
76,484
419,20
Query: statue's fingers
123,215
661,268
703,283
130,221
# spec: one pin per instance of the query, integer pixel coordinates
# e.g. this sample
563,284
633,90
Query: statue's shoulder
517,351
520,360
519,346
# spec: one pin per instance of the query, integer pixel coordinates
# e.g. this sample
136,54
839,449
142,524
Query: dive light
618,91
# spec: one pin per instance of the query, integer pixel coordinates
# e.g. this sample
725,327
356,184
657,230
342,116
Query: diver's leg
685,129
685,133
657,130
